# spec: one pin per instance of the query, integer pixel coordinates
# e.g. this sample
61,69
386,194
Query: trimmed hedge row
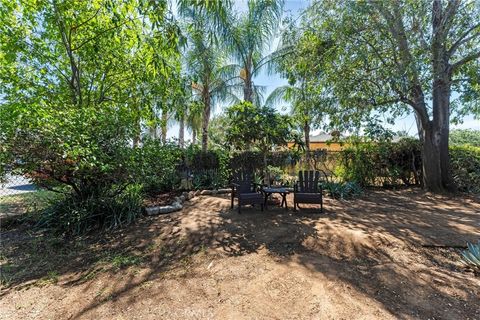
465,161
385,163
373,164
400,163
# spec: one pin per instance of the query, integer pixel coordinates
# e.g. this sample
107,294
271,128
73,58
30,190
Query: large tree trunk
181,131
432,171
205,121
441,126
306,132
434,136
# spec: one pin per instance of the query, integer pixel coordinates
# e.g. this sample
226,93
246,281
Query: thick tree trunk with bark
441,128
432,172
205,121
306,132
434,136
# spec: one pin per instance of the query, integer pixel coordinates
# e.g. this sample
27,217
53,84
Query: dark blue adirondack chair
308,189
245,190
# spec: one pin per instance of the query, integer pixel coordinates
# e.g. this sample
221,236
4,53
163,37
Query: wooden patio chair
308,189
245,190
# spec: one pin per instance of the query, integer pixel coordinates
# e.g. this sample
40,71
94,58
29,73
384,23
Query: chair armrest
234,185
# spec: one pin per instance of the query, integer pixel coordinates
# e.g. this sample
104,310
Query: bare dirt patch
387,255
161,199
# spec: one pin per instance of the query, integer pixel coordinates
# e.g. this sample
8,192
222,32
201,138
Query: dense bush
465,162
156,166
382,163
74,216
208,170
460,137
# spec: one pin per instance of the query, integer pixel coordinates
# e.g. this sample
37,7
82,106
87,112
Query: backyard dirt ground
387,255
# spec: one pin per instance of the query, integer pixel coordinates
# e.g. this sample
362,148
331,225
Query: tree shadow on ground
372,244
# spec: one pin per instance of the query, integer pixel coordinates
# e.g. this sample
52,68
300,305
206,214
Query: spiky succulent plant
471,256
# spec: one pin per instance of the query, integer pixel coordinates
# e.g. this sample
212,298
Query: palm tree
306,108
206,65
249,35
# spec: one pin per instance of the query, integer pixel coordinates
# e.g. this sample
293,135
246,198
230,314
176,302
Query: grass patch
26,202
50,278
121,261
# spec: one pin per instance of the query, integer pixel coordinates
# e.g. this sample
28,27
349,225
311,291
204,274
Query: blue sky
271,82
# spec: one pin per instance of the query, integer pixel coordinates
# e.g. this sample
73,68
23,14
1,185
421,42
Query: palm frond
277,95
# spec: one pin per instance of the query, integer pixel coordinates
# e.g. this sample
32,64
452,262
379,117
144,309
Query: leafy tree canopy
79,78
264,128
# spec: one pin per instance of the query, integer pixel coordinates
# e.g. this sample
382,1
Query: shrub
465,137
208,179
471,256
85,155
382,163
465,162
156,166
342,190
74,216
358,164
209,170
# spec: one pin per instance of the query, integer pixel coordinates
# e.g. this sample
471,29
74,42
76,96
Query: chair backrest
308,181
244,179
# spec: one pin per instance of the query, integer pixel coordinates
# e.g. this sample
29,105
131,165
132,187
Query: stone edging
177,203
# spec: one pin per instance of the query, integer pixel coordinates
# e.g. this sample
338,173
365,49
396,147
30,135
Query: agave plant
471,256
343,190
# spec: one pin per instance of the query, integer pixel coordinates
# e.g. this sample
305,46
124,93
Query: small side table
281,191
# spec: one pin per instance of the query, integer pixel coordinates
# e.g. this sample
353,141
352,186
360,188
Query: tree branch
462,39
465,60
81,24
397,29
99,34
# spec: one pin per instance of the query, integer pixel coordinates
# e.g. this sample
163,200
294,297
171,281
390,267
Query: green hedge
253,160
400,163
207,170
465,162
383,163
